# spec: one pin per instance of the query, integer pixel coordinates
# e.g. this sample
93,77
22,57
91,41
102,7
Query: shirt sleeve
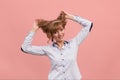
86,28
28,48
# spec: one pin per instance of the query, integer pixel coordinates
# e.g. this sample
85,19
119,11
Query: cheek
63,32
55,35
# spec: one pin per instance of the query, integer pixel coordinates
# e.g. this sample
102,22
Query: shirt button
64,72
62,59
63,66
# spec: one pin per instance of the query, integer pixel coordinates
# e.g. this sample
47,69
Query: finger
65,12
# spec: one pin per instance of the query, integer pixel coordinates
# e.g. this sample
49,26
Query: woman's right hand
35,26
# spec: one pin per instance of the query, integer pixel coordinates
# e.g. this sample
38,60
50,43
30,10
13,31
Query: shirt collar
55,44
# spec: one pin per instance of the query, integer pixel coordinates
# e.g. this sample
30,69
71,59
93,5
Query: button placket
61,53
64,79
63,63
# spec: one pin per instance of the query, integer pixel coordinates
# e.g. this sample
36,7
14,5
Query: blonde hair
49,27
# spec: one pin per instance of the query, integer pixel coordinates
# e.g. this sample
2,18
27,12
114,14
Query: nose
59,32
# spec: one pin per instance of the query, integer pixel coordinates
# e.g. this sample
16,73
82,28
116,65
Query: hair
50,27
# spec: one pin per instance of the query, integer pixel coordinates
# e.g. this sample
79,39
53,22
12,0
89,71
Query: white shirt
63,61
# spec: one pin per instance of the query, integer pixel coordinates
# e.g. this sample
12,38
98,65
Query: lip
60,37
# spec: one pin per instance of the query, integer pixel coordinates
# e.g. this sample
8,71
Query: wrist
71,17
33,30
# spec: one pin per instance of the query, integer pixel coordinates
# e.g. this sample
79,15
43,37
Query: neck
60,44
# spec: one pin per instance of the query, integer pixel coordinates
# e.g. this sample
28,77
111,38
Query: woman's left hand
68,16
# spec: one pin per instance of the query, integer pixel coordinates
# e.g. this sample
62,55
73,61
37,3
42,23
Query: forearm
27,47
86,28
84,22
27,41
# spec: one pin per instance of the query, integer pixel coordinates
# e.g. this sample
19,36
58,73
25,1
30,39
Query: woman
62,53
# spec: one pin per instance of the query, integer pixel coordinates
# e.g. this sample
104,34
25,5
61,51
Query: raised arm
27,47
86,27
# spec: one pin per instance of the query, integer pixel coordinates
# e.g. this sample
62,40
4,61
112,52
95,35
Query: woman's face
59,34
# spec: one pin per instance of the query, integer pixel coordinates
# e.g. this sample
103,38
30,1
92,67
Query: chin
60,40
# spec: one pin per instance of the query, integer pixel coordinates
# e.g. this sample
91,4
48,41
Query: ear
52,38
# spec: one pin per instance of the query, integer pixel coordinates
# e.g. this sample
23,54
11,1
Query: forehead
57,27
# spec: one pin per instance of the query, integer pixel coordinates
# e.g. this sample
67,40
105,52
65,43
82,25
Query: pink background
99,55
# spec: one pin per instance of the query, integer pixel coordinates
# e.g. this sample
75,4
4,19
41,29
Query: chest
68,53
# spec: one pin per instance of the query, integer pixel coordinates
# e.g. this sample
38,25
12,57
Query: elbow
91,25
23,50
